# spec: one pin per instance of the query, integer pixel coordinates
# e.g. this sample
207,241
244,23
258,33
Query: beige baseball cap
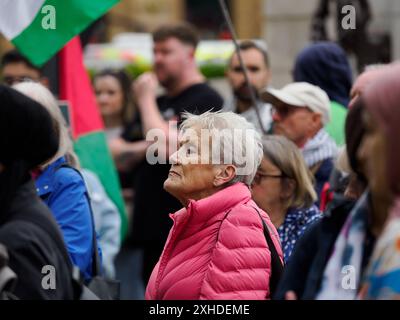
301,94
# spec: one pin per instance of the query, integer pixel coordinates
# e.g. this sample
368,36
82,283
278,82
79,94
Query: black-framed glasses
261,176
9,80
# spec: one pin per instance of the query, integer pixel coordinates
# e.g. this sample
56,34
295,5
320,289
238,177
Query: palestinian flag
87,125
40,28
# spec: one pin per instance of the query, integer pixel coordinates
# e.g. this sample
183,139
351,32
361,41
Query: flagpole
253,97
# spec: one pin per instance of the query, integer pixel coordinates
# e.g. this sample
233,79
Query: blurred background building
285,25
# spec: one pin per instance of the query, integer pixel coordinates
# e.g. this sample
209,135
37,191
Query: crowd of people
303,203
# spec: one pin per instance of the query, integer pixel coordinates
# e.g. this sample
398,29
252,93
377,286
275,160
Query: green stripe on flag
94,155
72,17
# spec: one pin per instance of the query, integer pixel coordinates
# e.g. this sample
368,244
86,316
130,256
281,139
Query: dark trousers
151,254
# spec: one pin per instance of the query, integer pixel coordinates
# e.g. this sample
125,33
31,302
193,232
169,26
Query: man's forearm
151,117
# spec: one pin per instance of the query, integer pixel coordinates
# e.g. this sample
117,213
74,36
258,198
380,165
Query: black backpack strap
276,263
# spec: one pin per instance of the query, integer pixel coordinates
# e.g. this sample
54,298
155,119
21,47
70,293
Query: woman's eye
190,151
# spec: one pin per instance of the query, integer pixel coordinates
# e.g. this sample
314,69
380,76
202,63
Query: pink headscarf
382,99
363,80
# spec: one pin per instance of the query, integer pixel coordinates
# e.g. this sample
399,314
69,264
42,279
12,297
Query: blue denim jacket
64,192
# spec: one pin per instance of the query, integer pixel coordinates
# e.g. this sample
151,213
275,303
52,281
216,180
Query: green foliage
210,70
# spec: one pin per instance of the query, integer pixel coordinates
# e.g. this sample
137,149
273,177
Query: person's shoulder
312,211
325,167
18,234
241,228
68,176
245,215
337,108
205,91
311,215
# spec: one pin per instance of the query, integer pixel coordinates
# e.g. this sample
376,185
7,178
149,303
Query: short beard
168,83
243,93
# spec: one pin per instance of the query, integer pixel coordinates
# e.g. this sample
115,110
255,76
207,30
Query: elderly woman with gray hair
216,248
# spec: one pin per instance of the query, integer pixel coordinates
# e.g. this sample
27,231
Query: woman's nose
173,159
102,98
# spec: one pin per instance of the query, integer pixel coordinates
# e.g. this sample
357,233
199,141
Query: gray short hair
234,140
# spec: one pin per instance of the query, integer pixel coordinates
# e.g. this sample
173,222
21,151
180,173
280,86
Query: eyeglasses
284,110
9,80
261,176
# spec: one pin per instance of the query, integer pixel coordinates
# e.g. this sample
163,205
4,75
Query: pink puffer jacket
216,249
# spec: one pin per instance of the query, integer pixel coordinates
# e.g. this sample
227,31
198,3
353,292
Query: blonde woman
283,188
62,188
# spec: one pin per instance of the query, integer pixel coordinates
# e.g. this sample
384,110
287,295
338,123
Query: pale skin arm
127,154
145,90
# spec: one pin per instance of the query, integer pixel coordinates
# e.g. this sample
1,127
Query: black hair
249,44
14,56
22,150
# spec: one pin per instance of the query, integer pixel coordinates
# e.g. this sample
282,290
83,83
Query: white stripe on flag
16,15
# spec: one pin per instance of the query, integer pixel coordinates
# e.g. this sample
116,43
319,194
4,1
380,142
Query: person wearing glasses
17,68
300,112
283,188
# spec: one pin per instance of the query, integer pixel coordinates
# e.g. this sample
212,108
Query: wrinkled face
295,123
171,56
191,175
14,73
259,74
267,185
372,157
109,95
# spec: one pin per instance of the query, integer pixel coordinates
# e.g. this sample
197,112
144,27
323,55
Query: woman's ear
316,121
288,188
224,174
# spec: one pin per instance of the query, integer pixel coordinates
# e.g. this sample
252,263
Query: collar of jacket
299,216
214,207
45,182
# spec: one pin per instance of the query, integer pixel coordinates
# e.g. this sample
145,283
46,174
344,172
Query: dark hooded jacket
27,228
